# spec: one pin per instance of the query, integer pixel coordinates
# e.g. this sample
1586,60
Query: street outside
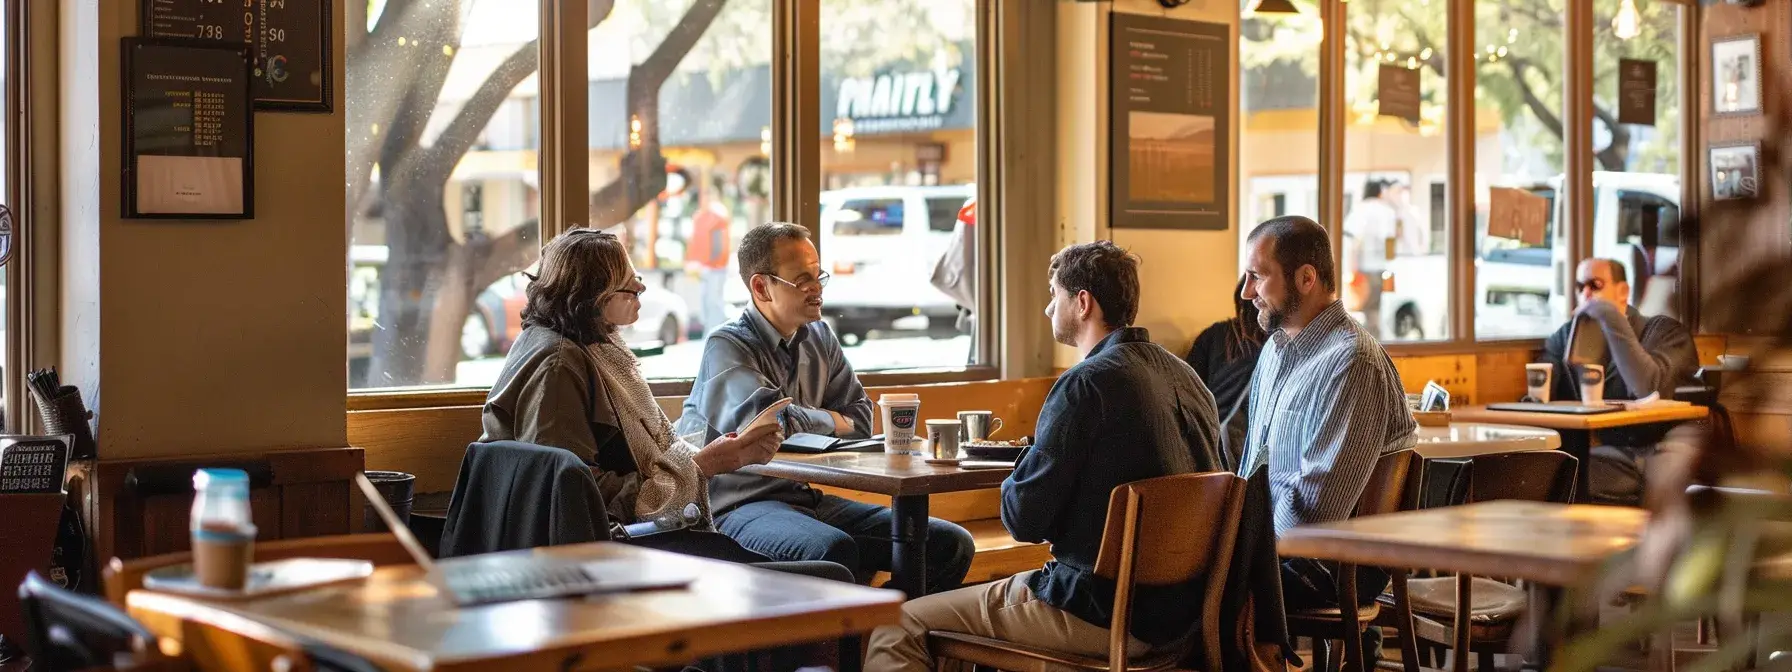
899,350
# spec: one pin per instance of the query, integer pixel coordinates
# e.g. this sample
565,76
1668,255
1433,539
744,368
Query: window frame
1576,197
562,112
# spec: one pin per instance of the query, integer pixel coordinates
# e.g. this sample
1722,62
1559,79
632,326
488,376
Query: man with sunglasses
1644,355
780,347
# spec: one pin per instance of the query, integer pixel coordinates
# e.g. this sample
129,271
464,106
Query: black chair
70,631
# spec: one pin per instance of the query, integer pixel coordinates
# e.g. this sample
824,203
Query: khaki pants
1004,610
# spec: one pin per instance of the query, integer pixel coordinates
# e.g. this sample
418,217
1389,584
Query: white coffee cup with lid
900,416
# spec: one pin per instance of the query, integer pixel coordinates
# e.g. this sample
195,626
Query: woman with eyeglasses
571,382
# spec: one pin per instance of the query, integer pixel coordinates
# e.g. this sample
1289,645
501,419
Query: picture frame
189,131
1736,75
1735,171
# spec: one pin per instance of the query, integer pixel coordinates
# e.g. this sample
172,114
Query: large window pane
1518,120
1396,234
443,188
1636,191
1278,165
899,165
683,180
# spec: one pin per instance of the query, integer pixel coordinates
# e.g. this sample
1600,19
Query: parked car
497,316
497,319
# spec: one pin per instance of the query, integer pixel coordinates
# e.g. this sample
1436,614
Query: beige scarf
669,476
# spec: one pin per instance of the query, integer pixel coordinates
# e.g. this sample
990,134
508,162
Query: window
683,220
434,115
898,110
1519,280
1393,261
1278,161
1636,204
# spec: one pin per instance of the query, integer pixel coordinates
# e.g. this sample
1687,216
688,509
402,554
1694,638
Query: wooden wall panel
142,507
1734,235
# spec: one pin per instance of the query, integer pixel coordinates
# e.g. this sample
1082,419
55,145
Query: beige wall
218,337
1186,276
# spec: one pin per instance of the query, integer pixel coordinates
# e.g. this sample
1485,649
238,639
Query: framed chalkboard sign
188,131
288,42
33,464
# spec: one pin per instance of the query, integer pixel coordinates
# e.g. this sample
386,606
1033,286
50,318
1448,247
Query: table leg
1579,443
852,657
908,544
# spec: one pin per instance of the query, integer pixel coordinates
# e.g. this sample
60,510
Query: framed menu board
188,131
1169,110
288,40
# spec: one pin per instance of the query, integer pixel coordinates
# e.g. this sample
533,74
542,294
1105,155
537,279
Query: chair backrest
1182,522
1393,485
70,631
1536,476
124,576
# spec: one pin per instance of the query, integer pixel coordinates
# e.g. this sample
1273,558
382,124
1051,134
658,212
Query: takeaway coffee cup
1592,384
899,413
1536,380
223,536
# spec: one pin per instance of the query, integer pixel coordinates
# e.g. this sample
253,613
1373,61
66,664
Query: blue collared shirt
746,366
1325,405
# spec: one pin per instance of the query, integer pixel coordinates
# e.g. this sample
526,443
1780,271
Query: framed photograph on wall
1735,171
1736,75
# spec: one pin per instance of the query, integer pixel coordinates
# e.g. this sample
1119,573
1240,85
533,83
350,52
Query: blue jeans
846,532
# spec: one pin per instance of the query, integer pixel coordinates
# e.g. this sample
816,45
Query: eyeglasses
630,289
819,282
1595,284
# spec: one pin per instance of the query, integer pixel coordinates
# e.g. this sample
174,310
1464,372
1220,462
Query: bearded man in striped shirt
1326,402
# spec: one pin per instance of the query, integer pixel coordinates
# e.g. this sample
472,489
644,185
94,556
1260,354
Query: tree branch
1616,155
1550,121
509,251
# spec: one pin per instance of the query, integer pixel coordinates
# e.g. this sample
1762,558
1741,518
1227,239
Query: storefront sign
898,101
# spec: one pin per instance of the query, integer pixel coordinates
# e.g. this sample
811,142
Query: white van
880,244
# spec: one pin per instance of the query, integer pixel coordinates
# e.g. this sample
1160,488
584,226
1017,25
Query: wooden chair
1393,486
1157,534
124,576
1490,608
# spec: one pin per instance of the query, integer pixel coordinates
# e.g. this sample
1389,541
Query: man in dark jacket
1129,411
1644,355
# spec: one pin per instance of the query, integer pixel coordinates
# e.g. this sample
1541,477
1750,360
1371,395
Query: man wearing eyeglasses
1644,355
779,347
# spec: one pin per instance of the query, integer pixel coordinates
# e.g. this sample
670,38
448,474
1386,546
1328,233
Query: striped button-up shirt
1325,405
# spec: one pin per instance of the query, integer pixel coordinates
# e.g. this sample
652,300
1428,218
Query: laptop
514,576
1566,409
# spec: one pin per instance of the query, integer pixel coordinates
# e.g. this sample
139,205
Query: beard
1062,333
1272,318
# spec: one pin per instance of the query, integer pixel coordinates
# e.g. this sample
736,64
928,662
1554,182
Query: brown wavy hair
577,270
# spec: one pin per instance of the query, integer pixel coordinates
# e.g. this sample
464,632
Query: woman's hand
732,451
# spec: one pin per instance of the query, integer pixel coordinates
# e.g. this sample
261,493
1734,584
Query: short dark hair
759,248
1299,242
577,269
1373,188
1107,272
1619,272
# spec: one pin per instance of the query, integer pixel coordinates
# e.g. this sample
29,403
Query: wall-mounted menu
287,39
188,136
1636,92
1170,101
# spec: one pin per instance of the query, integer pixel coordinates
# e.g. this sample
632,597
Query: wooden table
1469,439
398,620
1551,545
907,479
1577,430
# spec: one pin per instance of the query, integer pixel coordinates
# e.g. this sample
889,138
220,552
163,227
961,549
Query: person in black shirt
1129,411
1225,356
